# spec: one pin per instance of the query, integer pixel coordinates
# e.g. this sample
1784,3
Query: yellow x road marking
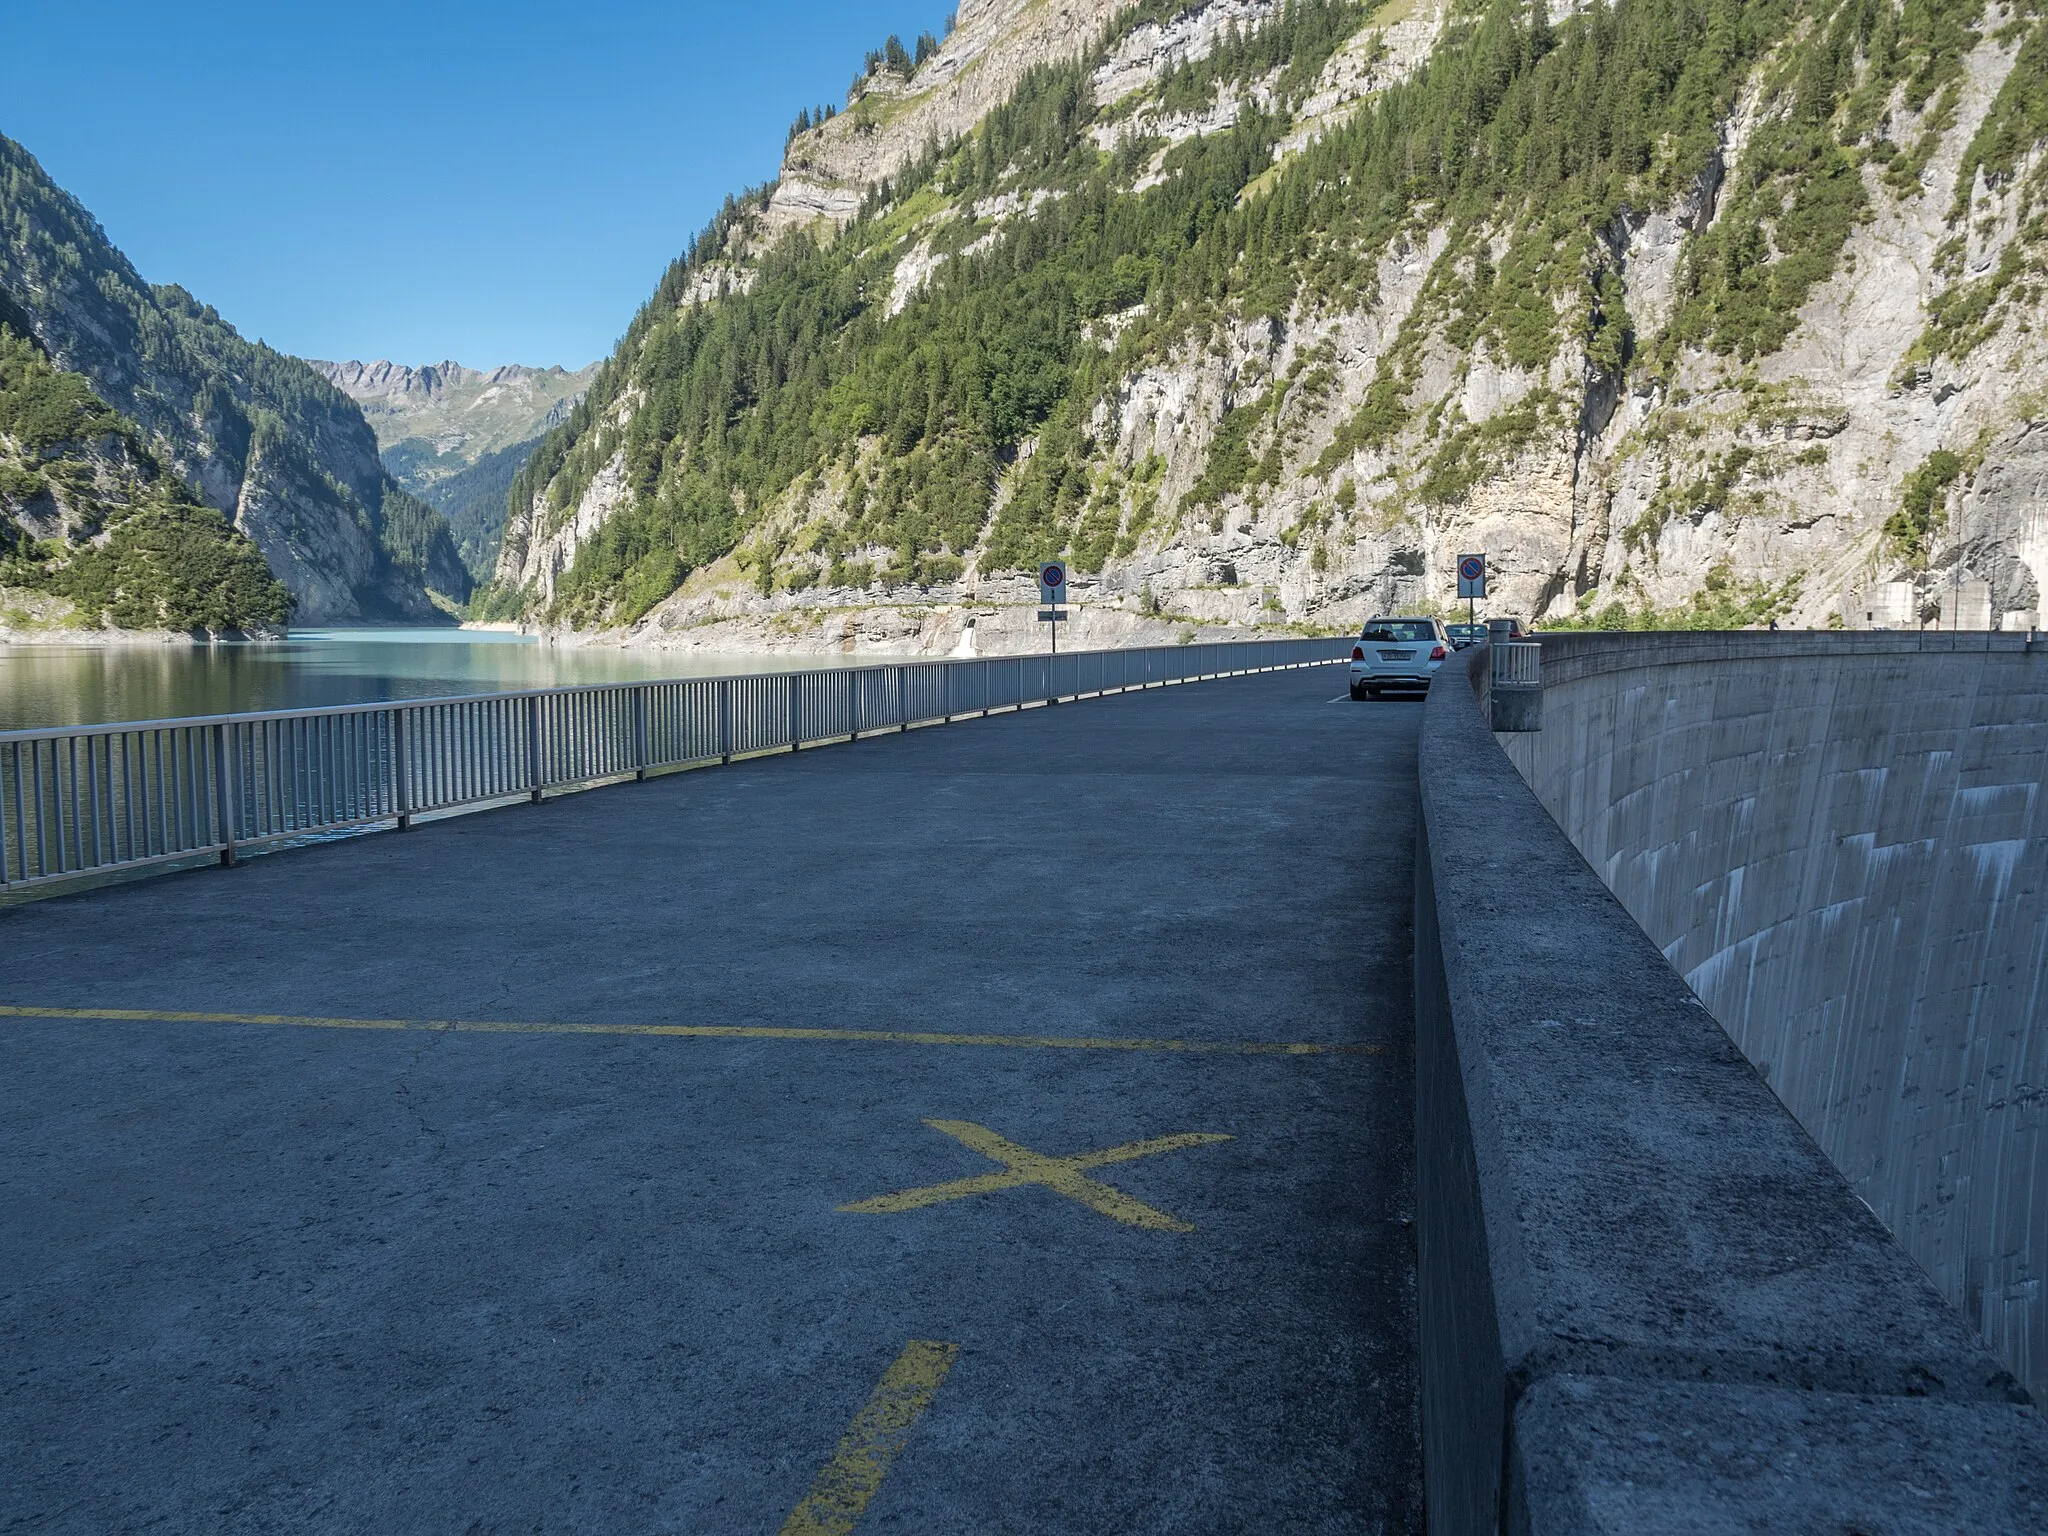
1065,1175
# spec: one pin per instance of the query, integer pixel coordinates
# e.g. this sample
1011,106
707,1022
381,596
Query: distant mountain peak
455,435
386,382
382,377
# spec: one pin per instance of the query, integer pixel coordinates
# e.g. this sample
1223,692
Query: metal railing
87,800
1517,664
1508,679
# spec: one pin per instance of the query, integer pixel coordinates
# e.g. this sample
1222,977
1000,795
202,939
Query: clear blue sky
489,180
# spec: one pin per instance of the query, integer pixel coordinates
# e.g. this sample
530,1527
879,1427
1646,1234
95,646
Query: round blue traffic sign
1053,575
1471,568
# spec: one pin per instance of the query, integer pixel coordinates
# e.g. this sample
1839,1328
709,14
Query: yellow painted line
711,1032
1062,1175
840,1492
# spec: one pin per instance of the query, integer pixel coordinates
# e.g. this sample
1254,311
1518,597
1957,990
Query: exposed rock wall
538,547
1846,416
827,170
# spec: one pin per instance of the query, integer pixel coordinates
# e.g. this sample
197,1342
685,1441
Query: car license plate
1397,655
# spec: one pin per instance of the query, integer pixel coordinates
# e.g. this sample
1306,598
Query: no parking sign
1471,575
1052,582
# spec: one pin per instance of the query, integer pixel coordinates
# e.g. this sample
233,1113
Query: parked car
1517,630
1463,635
1397,656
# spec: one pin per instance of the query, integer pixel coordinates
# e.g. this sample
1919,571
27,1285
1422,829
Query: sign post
1052,591
1471,583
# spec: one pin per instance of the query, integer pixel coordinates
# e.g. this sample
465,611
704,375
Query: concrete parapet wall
1647,1298
1841,842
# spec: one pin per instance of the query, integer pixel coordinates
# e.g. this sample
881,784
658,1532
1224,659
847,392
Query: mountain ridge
829,168
433,384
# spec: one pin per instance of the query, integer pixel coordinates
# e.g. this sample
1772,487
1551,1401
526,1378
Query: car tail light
1358,653
1437,654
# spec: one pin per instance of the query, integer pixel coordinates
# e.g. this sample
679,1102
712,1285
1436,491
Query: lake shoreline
909,631
106,639
30,617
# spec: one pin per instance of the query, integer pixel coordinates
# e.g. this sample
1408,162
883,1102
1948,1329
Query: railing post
14,757
795,741
640,731
725,720
401,773
533,747
223,796
902,698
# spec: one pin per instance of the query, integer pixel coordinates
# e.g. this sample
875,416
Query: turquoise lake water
78,685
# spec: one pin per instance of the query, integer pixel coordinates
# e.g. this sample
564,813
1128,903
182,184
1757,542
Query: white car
1397,656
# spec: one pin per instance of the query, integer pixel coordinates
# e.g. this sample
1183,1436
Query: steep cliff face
890,119
257,435
1685,314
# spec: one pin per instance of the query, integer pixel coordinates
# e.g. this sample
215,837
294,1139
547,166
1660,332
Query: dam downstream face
1846,856
758,1159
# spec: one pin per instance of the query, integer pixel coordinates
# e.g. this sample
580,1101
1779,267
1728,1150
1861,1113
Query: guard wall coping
1572,654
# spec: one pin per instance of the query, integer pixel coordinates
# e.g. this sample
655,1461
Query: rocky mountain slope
455,436
891,117
255,435
1687,312
93,533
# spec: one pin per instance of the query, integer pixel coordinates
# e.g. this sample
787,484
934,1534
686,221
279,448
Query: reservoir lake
50,685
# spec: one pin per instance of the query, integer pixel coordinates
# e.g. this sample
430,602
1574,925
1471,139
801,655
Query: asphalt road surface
788,1202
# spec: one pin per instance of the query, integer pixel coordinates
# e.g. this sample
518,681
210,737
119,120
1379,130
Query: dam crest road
712,1154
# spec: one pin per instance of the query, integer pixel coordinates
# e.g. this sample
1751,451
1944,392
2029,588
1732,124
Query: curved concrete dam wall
1647,1298
1841,843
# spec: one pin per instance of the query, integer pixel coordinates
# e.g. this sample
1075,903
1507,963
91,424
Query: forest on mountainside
88,515
960,424
473,501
